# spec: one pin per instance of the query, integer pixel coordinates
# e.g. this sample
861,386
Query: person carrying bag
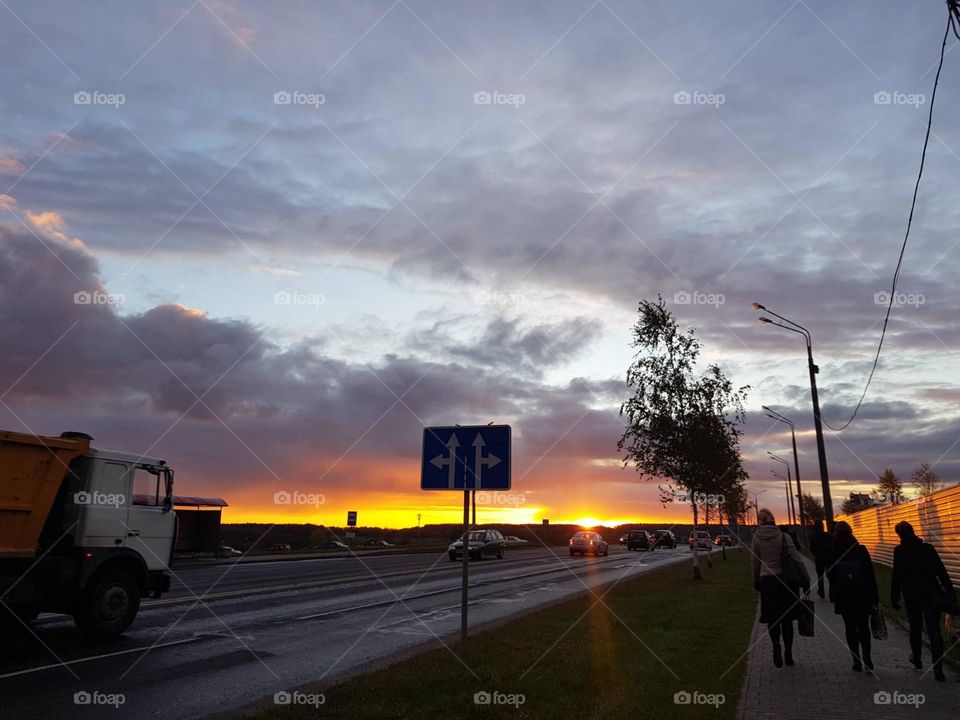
919,574
777,584
796,576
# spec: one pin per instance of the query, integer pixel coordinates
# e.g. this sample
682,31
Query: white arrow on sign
448,462
490,460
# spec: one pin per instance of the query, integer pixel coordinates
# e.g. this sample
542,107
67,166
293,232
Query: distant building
859,501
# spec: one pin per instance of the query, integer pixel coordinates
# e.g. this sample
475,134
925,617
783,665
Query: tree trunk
696,560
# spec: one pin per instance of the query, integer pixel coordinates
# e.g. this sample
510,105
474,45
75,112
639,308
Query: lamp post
787,466
774,415
786,487
756,508
817,422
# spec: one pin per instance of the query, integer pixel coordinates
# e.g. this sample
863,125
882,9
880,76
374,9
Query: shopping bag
951,627
805,617
878,626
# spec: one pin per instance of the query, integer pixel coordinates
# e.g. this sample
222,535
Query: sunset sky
452,220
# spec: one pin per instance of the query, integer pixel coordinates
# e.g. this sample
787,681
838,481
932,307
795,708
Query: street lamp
779,459
756,508
774,415
817,422
786,486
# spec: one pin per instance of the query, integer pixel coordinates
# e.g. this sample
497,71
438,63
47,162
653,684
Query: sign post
447,464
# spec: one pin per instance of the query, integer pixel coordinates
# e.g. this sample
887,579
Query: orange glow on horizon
401,512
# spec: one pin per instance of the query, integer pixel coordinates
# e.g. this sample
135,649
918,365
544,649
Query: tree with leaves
682,425
926,481
813,509
890,488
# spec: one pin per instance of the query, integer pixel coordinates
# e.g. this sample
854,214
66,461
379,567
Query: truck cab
91,531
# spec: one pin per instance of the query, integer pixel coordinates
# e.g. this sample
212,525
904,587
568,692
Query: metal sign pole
466,571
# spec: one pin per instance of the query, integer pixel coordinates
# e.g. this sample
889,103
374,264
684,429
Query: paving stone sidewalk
822,685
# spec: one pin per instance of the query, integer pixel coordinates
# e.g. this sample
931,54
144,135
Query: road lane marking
99,657
442,591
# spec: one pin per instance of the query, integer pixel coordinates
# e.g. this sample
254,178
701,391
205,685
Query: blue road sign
472,457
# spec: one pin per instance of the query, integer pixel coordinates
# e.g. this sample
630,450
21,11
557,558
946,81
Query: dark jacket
917,570
853,582
820,546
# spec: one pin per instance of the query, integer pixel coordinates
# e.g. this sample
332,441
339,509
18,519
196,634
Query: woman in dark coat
853,592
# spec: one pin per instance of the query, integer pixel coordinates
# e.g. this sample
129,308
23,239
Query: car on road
514,540
281,547
623,538
664,539
586,541
699,539
331,545
226,551
480,544
640,540
725,539
377,543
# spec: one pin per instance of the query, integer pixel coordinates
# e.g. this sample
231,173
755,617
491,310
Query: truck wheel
109,604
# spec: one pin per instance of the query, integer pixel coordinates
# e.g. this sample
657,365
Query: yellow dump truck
83,531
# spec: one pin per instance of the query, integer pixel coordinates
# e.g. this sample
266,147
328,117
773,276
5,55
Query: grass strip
654,636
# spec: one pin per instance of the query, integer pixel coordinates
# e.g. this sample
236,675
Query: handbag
805,617
878,625
794,573
952,629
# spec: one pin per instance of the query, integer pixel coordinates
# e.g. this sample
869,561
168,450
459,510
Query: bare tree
926,480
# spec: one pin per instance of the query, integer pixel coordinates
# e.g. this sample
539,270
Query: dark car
727,540
480,544
665,539
640,540
587,542
331,545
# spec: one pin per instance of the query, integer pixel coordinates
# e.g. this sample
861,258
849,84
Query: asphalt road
230,635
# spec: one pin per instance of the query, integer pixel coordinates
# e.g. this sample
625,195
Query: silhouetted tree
890,488
682,426
813,509
926,480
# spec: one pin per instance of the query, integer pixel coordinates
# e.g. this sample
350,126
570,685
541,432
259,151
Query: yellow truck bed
31,471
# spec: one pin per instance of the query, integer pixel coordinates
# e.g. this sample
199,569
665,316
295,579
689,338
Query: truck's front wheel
109,604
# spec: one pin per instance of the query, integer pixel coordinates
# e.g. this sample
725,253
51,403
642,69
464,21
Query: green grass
585,662
884,573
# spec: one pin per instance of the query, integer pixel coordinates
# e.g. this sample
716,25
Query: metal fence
936,519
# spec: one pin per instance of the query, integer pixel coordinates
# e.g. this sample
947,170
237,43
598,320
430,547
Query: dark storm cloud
504,344
73,356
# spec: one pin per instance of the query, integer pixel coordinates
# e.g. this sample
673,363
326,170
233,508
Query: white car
514,540
699,539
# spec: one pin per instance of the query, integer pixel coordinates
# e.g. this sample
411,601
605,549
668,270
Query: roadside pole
446,466
466,568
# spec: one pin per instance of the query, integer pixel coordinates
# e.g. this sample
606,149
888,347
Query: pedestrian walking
853,592
776,565
919,574
821,550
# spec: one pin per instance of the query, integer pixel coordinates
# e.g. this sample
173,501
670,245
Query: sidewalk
823,686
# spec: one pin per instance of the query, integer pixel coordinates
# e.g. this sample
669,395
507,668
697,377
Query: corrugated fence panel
936,519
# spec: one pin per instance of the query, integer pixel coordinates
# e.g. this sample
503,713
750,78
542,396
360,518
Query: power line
953,22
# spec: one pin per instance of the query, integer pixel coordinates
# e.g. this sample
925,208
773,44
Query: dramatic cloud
471,198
